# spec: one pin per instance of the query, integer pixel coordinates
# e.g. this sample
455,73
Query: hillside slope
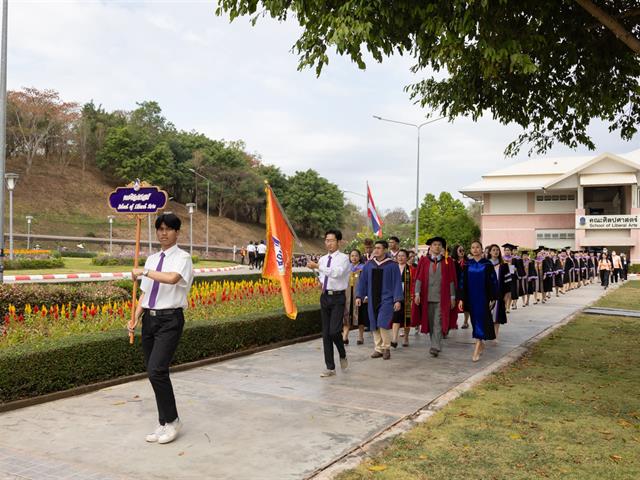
68,201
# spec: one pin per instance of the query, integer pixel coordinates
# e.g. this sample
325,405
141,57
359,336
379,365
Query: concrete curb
97,276
380,440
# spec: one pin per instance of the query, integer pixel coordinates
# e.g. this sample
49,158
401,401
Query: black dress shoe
394,344
346,342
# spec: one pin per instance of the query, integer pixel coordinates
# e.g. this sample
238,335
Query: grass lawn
569,410
628,297
84,265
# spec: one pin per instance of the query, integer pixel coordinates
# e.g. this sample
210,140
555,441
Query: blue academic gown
391,291
479,285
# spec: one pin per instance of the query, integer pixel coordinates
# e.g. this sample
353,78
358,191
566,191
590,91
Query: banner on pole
278,262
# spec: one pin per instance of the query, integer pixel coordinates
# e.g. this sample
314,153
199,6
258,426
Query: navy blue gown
479,286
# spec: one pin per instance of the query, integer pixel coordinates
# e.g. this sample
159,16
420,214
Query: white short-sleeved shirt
262,248
338,272
169,296
251,248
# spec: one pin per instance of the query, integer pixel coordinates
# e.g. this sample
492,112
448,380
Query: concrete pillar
580,197
634,196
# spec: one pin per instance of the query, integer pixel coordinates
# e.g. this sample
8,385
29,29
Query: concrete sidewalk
265,416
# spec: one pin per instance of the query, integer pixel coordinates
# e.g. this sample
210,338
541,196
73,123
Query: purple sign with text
138,199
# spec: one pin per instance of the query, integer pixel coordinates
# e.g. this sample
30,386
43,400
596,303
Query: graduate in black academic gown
531,276
558,274
548,272
508,252
568,270
504,287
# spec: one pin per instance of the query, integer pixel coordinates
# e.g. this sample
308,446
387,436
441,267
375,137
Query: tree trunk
612,24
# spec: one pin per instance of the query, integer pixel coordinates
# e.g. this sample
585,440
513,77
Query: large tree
313,203
550,66
446,217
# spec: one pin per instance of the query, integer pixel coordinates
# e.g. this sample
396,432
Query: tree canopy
446,217
548,66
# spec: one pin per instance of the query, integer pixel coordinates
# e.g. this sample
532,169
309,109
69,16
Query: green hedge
28,371
70,254
635,268
107,260
33,263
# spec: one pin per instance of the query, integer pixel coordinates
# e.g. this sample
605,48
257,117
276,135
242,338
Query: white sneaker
170,431
328,373
153,437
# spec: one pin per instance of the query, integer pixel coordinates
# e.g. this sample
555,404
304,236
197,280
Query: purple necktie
326,277
156,284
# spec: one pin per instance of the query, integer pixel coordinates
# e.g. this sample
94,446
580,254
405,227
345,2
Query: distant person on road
625,265
604,267
251,251
243,254
165,281
617,266
261,251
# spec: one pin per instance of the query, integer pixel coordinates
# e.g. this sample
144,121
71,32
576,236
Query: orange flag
278,260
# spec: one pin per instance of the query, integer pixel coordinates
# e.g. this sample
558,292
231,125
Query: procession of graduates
390,290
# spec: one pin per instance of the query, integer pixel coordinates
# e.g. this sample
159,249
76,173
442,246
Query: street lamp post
191,207
3,127
417,127
207,222
29,219
111,218
12,179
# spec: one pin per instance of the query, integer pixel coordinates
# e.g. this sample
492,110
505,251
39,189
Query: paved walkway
264,416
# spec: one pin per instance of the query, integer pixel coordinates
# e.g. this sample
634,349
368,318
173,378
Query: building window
555,198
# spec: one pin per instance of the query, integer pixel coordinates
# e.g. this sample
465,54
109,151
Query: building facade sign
607,222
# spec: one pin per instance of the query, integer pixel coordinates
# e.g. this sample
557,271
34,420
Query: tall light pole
207,227
12,179
417,127
29,219
111,218
3,126
191,207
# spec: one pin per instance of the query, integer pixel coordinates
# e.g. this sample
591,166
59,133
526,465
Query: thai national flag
376,221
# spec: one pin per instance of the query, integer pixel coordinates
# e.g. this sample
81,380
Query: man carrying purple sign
165,282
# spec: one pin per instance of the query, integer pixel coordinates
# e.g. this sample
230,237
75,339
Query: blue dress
479,286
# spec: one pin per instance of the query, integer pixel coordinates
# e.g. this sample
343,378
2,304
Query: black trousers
160,336
604,278
332,312
616,273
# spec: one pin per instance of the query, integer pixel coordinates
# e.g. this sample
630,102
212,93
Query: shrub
33,263
79,360
56,293
126,261
73,254
635,268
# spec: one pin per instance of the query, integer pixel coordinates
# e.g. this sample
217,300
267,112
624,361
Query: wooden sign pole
135,282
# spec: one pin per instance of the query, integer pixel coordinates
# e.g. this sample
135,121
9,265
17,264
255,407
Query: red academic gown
420,313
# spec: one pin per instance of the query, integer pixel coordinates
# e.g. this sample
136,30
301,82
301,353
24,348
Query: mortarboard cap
509,246
437,239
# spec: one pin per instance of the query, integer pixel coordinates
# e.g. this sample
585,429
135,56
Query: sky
234,81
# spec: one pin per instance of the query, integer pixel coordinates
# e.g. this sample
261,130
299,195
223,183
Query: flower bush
33,321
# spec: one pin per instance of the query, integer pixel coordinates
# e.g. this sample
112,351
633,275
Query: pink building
582,202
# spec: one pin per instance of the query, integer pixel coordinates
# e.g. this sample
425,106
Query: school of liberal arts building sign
607,222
